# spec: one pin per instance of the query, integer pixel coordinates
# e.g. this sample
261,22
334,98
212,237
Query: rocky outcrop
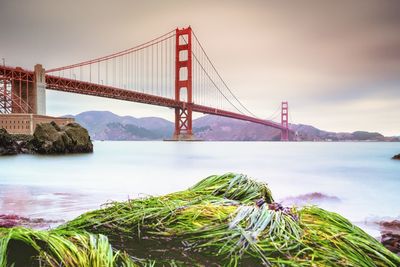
49,138
391,241
390,235
14,144
396,157
8,146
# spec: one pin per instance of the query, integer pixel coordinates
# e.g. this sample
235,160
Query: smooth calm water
362,175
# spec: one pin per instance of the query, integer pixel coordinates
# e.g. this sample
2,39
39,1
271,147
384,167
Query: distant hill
217,128
105,125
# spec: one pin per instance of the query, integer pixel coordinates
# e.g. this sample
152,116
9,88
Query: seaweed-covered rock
8,146
49,138
228,220
396,157
231,220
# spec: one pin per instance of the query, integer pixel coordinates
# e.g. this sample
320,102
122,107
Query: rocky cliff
48,138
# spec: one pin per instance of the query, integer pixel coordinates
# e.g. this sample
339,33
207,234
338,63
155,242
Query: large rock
391,241
49,138
390,235
396,157
8,146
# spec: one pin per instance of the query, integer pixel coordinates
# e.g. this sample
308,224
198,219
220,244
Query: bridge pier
183,124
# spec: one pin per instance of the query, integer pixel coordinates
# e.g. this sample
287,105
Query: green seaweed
227,220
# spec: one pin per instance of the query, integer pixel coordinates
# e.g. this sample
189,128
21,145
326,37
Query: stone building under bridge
23,101
25,123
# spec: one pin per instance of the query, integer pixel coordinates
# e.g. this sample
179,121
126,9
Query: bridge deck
74,86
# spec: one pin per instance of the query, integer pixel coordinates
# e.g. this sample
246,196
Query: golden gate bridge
172,70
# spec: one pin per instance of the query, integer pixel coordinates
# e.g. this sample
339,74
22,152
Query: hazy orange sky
336,62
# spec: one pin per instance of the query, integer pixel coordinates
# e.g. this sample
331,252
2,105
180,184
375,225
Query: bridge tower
285,121
183,84
39,87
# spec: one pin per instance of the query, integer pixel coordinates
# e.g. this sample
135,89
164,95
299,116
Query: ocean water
360,174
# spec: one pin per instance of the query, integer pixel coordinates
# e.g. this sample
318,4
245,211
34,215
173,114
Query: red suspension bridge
172,70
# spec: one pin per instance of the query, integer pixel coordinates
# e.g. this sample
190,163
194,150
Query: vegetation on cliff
228,220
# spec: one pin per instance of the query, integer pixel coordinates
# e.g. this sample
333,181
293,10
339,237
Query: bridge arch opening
183,74
183,94
183,39
183,55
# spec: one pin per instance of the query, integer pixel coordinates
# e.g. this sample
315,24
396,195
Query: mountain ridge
105,125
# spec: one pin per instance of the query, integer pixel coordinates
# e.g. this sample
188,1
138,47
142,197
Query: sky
337,63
